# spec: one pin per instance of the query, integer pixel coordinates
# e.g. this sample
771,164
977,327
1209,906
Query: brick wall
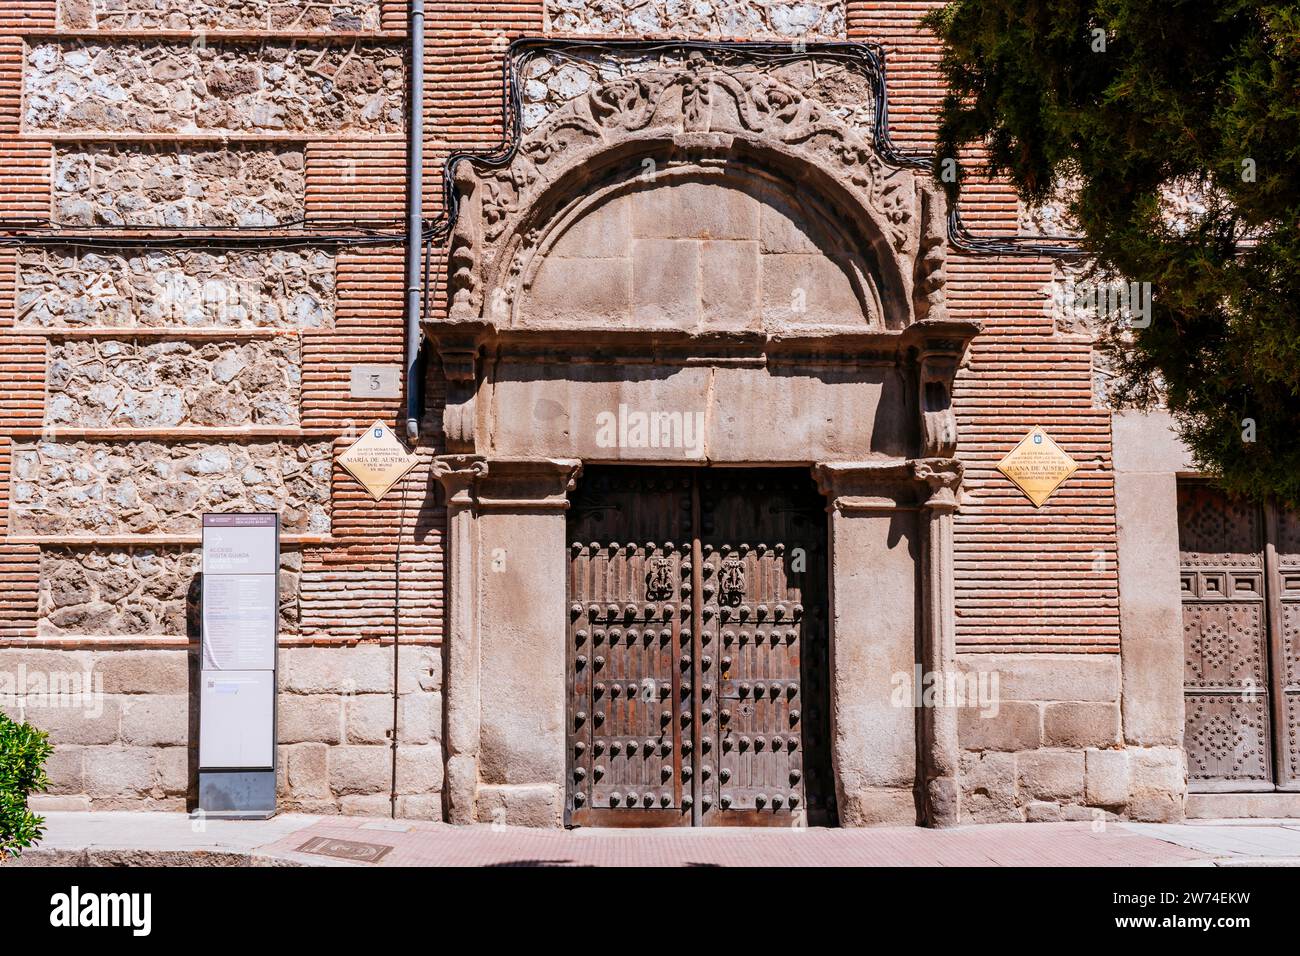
1036,582
271,330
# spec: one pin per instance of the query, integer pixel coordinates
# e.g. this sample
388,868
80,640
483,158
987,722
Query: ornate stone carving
459,366
458,473
701,112
943,477
932,259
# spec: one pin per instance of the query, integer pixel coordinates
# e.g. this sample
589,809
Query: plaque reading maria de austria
1037,466
378,460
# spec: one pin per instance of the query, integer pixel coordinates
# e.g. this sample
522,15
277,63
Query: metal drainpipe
414,221
414,389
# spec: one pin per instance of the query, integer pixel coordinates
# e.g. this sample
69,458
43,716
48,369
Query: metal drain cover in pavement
345,849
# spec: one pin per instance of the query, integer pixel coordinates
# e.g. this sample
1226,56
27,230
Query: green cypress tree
1132,101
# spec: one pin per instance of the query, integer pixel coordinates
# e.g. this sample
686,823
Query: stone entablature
133,384
63,287
716,19
91,489
135,591
107,185
169,87
699,238
300,16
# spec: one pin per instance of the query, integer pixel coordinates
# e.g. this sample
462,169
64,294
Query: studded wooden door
697,674
1240,569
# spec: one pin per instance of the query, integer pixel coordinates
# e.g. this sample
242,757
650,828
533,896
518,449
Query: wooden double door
697,649
1240,567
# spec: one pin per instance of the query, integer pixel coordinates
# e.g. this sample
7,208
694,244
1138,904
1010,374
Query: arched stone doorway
697,265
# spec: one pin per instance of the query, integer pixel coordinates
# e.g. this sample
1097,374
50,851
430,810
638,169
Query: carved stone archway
698,239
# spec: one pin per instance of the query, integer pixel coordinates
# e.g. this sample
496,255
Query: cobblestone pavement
145,838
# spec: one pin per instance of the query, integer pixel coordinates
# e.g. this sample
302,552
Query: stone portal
698,264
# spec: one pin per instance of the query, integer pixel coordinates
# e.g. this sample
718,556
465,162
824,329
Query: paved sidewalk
122,838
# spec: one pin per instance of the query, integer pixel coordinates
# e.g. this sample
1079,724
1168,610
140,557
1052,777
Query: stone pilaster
940,753
461,693
875,545
505,693
522,581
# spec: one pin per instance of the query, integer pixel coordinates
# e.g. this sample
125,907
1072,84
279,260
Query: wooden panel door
1240,570
1286,646
764,650
629,624
697,659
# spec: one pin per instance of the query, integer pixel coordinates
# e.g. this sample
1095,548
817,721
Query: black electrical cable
868,58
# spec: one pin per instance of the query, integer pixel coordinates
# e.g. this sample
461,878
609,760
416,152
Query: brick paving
425,844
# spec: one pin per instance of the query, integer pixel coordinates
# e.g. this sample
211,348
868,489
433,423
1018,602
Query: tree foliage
1132,102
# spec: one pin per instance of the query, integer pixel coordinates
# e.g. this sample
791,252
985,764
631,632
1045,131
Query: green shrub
23,750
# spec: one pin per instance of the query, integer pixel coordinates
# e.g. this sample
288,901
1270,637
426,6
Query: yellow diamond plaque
1037,466
378,460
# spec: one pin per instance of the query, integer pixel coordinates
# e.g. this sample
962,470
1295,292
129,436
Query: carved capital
861,487
458,473
513,484
942,476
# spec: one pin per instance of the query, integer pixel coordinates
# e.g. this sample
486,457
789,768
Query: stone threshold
1276,805
329,37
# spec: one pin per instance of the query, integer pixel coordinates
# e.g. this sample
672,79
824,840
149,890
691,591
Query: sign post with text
241,605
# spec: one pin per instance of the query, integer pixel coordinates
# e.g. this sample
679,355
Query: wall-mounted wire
866,57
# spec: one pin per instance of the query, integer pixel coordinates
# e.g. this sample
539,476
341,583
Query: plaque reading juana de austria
378,460
1037,466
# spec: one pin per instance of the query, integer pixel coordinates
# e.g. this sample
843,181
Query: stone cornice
508,484
932,484
935,341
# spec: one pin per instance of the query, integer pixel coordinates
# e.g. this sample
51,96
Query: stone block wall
122,726
170,87
130,742
1053,748
110,185
111,382
699,255
298,15
63,287
335,727
138,487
